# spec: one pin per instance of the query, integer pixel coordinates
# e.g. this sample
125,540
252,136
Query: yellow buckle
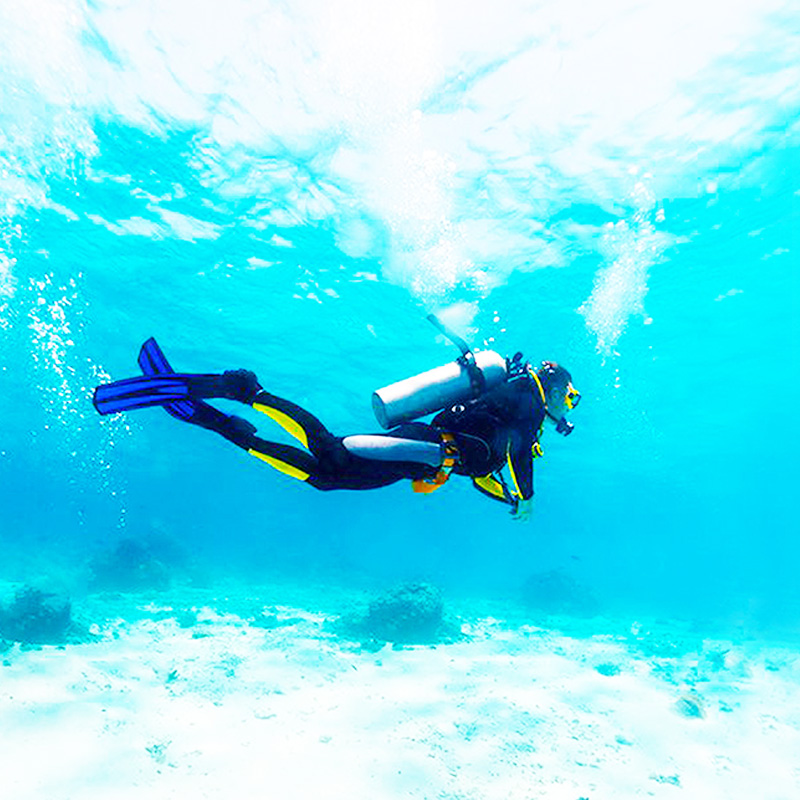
450,451
428,485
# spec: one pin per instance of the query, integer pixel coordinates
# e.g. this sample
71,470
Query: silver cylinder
380,447
435,389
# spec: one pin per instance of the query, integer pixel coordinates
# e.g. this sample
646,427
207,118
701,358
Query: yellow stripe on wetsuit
539,385
490,486
291,426
281,466
517,491
294,429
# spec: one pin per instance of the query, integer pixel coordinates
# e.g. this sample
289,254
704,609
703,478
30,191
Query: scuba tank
461,380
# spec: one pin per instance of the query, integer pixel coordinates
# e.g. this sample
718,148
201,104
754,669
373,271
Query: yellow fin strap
537,450
450,451
281,466
291,426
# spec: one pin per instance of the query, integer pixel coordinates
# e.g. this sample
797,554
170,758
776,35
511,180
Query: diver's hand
523,510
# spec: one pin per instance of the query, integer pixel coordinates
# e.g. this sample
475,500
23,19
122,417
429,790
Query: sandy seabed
186,698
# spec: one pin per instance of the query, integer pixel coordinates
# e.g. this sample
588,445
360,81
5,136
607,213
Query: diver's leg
333,469
297,422
234,384
233,428
242,385
319,473
287,459
327,465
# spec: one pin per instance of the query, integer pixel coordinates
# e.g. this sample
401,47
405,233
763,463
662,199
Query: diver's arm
520,467
519,457
526,419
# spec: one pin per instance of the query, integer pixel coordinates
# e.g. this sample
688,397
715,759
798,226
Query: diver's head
556,382
559,394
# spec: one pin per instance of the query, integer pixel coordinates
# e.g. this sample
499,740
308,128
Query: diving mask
572,397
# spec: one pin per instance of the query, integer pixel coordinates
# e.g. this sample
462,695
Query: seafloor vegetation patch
37,617
672,780
269,622
412,613
131,566
691,706
555,592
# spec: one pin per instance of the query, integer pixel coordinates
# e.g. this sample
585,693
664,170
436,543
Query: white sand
226,710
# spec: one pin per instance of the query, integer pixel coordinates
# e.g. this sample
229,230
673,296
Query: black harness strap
477,381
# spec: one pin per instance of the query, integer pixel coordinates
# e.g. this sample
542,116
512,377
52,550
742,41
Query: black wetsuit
496,430
326,464
477,438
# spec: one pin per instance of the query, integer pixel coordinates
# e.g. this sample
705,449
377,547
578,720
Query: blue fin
142,392
153,362
159,386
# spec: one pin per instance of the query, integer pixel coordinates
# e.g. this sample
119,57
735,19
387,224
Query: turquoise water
292,189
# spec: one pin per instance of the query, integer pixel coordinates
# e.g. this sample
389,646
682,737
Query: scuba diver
492,412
